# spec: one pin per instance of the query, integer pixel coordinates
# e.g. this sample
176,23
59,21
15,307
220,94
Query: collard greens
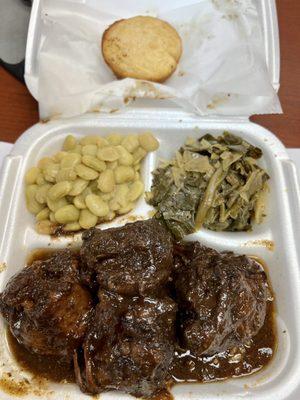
211,182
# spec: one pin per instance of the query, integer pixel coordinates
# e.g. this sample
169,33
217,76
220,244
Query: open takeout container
274,241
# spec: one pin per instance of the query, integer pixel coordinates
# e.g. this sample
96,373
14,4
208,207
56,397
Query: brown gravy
185,368
43,254
241,362
41,366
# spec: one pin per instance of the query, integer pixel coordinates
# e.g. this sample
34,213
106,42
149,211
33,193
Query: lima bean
87,219
50,172
55,205
32,205
66,174
94,163
43,214
139,154
108,153
114,139
105,196
91,139
114,205
77,150
43,162
72,227
59,190
40,180
79,202
124,174
130,142
120,196
90,150
106,181
96,205
69,143
78,187
67,214
135,191
96,171
59,156
102,142
125,157
70,160
41,193
85,172
148,142
32,175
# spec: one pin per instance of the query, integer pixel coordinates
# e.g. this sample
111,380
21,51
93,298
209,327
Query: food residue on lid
2,266
268,244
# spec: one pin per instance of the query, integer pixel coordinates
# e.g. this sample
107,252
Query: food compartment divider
280,378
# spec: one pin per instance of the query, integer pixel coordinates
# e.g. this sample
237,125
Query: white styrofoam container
280,380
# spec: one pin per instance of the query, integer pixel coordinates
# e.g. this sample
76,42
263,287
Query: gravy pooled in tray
139,312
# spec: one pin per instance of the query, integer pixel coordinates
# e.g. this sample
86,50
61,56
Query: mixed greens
213,182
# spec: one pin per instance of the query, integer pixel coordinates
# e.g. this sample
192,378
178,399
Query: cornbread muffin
142,47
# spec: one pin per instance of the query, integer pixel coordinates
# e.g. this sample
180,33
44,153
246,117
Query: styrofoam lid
229,66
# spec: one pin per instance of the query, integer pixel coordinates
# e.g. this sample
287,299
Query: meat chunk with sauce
223,298
46,307
129,346
135,259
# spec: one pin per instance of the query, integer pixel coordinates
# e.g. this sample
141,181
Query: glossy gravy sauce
185,367
42,366
233,363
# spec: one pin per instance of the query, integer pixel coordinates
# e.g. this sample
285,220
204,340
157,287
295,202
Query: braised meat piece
46,306
135,259
223,298
129,346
